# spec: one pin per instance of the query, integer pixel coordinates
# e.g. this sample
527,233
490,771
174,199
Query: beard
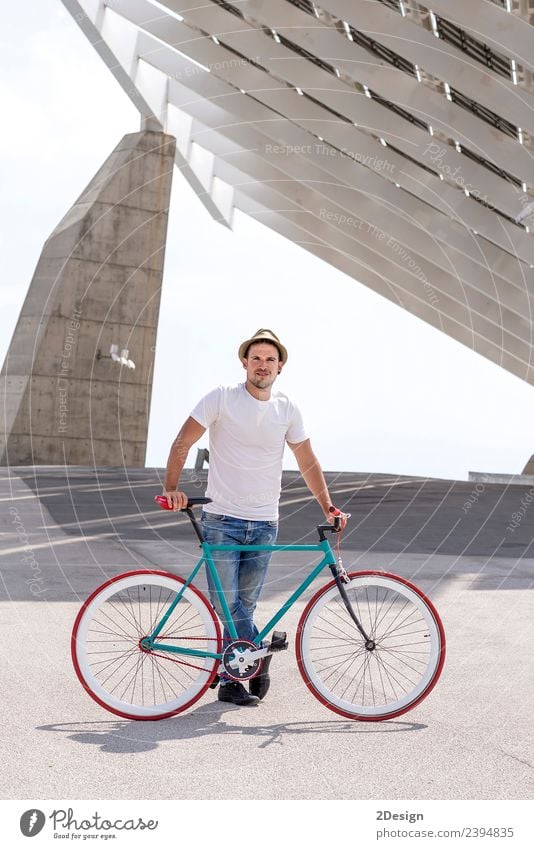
262,382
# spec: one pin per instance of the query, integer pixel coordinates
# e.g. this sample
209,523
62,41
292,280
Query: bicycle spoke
339,631
383,668
335,666
130,620
356,674
394,627
116,624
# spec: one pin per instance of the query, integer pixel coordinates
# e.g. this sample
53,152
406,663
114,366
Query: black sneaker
260,684
236,694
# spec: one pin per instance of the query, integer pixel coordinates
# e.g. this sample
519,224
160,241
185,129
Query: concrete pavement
471,739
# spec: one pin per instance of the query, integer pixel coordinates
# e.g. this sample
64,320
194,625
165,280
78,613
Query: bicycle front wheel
377,683
125,678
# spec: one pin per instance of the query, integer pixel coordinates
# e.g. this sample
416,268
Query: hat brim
244,345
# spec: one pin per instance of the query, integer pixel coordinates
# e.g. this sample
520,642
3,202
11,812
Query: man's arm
312,473
189,433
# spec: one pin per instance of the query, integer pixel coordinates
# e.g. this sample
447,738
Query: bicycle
146,645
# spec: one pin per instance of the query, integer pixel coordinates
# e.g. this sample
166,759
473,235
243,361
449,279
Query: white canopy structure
393,140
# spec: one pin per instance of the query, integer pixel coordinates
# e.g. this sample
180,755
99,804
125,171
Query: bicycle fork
341,578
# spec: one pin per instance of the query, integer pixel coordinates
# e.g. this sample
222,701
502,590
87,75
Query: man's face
262,364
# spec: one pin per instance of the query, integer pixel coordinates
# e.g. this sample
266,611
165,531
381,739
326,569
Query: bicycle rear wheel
384,682
129,680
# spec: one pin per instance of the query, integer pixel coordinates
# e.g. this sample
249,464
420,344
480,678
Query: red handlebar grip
162,501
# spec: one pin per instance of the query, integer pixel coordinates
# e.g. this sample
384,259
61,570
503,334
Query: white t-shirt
247,439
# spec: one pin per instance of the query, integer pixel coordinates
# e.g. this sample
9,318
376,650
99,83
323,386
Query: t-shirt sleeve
296,431
208,408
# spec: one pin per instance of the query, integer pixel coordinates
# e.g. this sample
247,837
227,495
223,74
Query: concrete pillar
97,284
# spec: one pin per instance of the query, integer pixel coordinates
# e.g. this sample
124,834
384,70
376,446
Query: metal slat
366,223
200,18
390,279
382,51
484,113
468,309
450,201
473,47
487,22
380,198
440,58
392,84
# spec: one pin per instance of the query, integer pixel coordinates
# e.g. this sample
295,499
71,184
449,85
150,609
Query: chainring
235,662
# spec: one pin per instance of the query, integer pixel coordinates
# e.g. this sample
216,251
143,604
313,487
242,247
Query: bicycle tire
130,681
372,685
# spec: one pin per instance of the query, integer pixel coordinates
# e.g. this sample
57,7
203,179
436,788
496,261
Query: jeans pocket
211,517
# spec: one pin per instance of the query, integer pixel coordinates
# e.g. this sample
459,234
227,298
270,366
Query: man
249,425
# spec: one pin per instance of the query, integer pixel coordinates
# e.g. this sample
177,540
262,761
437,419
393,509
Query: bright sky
380,390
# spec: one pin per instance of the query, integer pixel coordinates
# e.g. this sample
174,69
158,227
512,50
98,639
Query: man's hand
176,500
334,513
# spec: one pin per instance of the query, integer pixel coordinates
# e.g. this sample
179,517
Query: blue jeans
241,572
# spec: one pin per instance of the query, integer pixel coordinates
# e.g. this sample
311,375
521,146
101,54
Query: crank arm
250,656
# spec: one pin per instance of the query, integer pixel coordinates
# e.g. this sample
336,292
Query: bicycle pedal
215,682
278,641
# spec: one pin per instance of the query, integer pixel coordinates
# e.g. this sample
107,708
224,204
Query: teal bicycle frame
327,560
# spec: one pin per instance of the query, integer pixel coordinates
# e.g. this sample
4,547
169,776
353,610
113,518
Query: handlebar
334,528
191,502
340,520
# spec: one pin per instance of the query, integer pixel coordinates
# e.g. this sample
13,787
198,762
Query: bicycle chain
181,637
181,662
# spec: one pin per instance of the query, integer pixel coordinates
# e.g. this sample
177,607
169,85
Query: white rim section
390,707
129,582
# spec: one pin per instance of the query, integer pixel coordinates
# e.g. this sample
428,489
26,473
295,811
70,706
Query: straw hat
263,335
